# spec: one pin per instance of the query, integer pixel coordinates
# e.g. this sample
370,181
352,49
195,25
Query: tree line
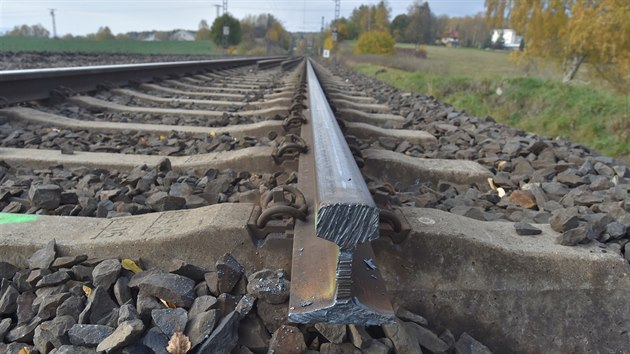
263,32
418,25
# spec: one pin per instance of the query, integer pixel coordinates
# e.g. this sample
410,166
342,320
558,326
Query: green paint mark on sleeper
7,218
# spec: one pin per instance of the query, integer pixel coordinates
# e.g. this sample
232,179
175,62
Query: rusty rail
334,276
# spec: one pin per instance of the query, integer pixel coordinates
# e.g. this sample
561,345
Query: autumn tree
104,34
29,31
420,29
368,17
375,42
203,32
265,29
571,32
472,30
217,30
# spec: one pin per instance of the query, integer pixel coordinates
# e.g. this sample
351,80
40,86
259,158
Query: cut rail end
350,311
348,225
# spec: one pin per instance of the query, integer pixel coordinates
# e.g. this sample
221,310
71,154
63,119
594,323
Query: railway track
224,171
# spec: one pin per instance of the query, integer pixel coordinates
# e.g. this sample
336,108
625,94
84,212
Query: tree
472,30
216,30
104,34
399,26
29,31
366,18
571,32
420,29
203,33
265,30
375,42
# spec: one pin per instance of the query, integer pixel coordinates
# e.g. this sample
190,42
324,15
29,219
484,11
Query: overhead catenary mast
335,29
52,14
218,10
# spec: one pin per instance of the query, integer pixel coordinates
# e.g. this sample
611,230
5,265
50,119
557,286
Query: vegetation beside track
21,44
488,84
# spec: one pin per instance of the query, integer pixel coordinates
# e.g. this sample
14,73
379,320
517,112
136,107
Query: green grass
113,46
594,117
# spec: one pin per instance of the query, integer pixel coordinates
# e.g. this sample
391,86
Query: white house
511,40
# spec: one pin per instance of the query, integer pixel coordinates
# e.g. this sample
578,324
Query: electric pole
336,27
322,24
52,14
225,6
218,10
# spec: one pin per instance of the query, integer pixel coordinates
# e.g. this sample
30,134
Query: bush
417,52
375,42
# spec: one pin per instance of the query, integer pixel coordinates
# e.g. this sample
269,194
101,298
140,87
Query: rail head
346,213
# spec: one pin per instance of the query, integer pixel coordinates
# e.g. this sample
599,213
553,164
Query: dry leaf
162,137
87,290
170,305
130,265
501,192
179,343
500,165
24,350
491,183
212,133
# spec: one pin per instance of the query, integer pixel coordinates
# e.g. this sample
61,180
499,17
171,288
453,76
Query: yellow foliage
231,49
571,32
329,43
375,42
130,265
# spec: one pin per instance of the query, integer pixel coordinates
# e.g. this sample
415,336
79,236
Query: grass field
113,46
487,83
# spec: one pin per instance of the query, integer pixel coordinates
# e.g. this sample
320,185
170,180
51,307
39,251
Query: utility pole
322,24
218,10
225,6
52,14
337,11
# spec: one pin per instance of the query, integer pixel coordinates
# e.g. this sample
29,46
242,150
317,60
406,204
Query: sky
80,17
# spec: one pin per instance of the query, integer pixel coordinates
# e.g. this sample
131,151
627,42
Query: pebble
526,229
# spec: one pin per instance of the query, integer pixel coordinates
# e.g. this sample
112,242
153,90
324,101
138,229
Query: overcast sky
85,16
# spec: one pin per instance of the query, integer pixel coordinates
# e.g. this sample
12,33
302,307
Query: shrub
417,52
375,42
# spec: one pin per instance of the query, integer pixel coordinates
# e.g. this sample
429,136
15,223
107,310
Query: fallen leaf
500,165
501,192
170,305
179,343
25,350
162,137
491,183
130,265
87,290
212,133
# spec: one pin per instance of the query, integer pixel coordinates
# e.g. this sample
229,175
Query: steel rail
334,275
346,213
35,84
